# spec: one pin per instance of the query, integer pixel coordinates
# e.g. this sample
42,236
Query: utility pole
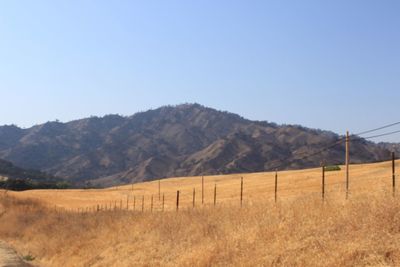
347,163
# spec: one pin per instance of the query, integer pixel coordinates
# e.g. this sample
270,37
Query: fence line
112,205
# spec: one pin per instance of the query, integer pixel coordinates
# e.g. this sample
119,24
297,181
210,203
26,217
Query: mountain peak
182,140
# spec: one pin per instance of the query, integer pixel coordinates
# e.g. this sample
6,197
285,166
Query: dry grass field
257,187
300,230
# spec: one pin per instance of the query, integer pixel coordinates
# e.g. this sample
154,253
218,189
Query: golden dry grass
364,231
257,187
300,230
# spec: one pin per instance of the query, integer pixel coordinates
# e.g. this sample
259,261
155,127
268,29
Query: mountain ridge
182,140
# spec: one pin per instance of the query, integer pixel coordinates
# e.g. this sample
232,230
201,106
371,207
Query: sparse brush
28,257
332,168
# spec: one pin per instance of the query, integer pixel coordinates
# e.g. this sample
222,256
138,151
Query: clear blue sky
333,65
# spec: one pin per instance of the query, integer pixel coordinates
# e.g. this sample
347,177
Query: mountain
394,147
181,140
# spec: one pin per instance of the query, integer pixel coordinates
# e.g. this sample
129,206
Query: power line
291,159
380,128
306,152
288,161
379,135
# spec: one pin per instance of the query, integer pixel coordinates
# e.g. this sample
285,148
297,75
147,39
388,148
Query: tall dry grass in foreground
303,232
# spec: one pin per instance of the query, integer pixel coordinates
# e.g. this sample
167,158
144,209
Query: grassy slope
299,231
257,187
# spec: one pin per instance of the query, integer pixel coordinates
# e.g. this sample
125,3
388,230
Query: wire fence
210,191
241,190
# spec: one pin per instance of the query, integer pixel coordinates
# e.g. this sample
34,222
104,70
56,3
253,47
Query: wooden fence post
163,201
98,208
241,191
194,197
151,206
159,190
177,200
215,194
394,173
127,202
134,203
142,203
120,204
202,190
276,186
323,182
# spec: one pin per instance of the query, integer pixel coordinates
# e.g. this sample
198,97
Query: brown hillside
184,140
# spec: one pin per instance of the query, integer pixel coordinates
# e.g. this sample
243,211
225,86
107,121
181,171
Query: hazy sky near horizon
333,65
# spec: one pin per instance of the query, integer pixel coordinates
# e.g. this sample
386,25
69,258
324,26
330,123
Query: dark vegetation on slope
15,178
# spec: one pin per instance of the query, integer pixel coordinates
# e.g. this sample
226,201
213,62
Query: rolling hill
170,141
16,178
